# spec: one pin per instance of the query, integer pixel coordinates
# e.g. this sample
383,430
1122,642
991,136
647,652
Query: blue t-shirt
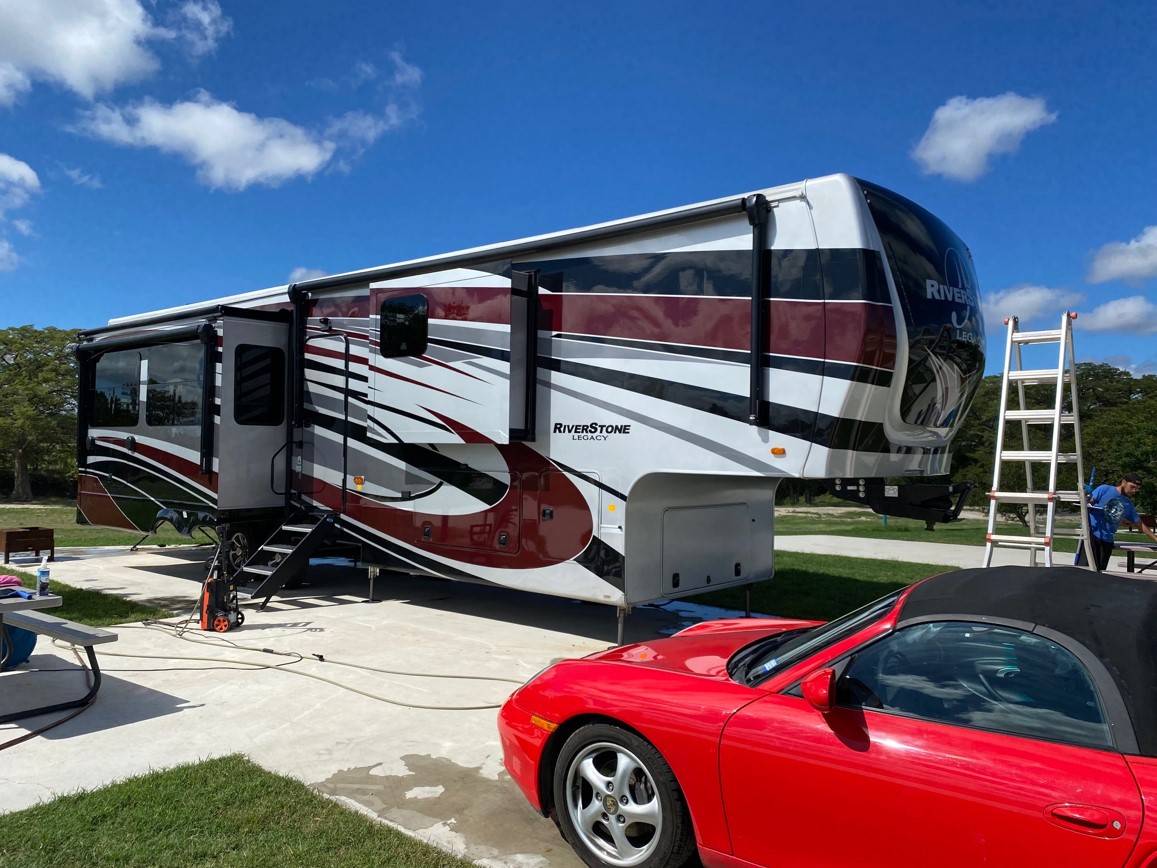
1107,507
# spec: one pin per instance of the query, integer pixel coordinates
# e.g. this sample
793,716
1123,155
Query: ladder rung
1045,337
1020,542
1038,455
1037,378
1034,496
1038,417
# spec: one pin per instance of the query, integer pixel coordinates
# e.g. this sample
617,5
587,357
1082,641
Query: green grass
220,812
821,587
863,523
60,515
92,607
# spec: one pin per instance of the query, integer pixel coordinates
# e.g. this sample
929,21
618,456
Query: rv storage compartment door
705,547
252,434
441,370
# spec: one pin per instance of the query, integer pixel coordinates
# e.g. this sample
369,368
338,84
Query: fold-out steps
286,553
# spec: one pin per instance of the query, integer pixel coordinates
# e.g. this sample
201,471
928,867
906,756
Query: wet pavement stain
457,808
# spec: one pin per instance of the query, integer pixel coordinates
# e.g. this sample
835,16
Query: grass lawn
821,587
60,515
91,607
853,521
220,812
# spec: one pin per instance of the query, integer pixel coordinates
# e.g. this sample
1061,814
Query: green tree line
1118,412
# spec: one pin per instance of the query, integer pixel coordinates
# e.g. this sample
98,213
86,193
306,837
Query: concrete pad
387,742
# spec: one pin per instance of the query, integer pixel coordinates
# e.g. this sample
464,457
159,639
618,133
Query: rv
602,414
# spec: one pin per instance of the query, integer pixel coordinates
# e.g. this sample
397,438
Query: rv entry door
253,433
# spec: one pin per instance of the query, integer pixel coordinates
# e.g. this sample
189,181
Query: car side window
979,675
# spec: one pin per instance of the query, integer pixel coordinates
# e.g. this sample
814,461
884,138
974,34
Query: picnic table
20,604
1131,550
21,612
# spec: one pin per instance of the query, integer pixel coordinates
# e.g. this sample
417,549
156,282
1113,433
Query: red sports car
997,717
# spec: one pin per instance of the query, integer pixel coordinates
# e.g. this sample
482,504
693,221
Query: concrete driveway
387,743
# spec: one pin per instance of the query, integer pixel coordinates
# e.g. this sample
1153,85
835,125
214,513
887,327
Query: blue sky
161,152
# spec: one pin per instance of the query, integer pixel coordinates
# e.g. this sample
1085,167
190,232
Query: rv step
297,528
1045,337
1037,417
1035,496
1036,378
259,569
1038,455
278,549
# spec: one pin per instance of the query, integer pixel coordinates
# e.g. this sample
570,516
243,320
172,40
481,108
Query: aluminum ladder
1062,377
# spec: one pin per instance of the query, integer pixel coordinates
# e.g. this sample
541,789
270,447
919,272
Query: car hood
703,649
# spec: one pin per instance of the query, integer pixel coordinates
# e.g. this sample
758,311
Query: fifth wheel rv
602,414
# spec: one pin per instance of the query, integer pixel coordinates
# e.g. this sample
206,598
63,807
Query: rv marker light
778,451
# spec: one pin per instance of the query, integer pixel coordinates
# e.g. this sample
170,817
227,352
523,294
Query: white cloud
231,149
1131,261
93,46
17,183
201,25
13,84
405,74
88,46
8,258
1029,302
965,133
1126,363
1135,315
301,273
24,227
81,179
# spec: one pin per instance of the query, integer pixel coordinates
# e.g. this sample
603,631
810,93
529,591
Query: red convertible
998,717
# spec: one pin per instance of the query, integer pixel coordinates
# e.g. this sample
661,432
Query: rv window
176,378
258,385
404,323
116,389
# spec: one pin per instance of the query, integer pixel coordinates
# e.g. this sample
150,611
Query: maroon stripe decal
98,506
473,538
186,469
489,304
857,333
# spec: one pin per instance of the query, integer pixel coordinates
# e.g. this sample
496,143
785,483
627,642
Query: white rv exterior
602,414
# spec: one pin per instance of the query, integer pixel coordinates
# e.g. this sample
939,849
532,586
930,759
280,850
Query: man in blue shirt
1109,507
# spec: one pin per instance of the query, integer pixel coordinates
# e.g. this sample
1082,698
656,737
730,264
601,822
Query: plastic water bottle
42,577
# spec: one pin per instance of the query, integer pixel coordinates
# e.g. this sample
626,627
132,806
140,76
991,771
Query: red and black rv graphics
602,414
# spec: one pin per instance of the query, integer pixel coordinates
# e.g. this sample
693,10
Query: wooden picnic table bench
66,631
27,539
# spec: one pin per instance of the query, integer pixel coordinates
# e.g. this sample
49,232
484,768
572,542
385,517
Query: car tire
617,801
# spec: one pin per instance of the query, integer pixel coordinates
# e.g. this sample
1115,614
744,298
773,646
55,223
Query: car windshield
758,660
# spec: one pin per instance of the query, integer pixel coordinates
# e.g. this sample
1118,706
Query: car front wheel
618,802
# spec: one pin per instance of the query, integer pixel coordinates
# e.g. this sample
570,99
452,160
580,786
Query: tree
38,406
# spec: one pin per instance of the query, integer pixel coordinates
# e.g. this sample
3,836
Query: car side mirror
819,689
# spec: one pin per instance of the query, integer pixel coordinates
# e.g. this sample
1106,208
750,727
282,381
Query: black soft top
1113,617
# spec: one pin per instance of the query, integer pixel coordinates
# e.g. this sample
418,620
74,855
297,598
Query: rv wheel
237,550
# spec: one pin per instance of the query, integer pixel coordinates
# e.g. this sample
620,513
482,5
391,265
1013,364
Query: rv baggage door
252,435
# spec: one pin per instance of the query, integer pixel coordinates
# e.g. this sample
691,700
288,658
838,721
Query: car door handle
1089,819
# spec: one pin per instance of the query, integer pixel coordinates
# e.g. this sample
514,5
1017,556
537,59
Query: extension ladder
1039,539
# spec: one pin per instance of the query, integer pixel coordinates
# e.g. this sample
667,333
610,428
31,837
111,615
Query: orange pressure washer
220,611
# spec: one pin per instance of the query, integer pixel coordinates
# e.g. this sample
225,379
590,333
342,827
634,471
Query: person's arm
1141,526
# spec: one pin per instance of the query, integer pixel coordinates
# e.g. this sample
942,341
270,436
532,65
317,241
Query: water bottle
42,578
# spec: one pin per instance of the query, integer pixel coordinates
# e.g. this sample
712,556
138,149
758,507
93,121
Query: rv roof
480,254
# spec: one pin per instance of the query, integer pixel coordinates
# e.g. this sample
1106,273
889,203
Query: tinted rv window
940,299
258,385
176,375
404,326
116,390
